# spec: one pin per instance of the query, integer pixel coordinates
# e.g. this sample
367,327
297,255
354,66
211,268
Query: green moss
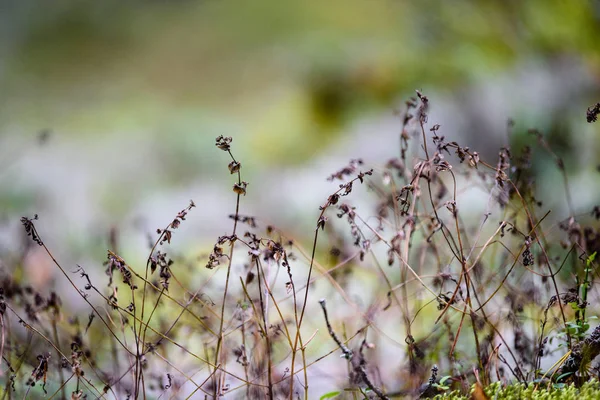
590,390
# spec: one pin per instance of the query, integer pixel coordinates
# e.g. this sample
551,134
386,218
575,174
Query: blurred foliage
288,76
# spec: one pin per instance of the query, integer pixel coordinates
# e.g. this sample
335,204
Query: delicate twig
359,367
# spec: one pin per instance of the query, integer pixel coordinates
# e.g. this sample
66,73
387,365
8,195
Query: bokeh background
109,110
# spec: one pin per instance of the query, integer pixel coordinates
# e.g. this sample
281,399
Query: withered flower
214,259
234,167
347,170
474,159
116,262
527,256
321,222
224,142
30,229
245,219
592,113
41,371
443,166
240,188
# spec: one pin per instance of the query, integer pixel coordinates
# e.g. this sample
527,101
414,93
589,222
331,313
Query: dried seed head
234,167
592,113
30,229
240,188
224,142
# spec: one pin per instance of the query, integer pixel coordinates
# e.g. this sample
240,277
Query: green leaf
559,385
330,395
564,376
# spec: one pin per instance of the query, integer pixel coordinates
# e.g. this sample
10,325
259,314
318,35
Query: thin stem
217,386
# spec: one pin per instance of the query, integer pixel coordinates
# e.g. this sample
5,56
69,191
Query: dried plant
463,298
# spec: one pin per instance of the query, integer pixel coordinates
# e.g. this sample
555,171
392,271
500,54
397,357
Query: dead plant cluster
507,295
